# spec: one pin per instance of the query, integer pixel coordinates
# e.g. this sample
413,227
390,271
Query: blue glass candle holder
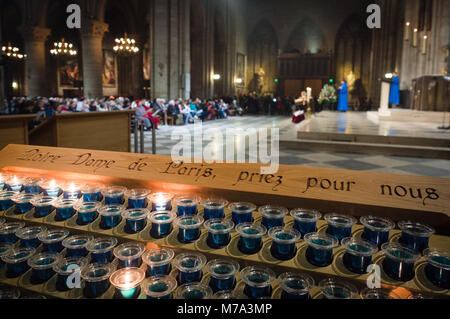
23,203
161,223
224,294
8,232
7,292
127,282
305,220
159,287
6,201
51,188
242,212
76,246
188,228
339,226
250,241
65,269
437,269
158,261
258,282
186,205
399,261
29,236
52,240
219,232
101,250
14,184
222,274
110,216
161,202
137,198
283,242
337,289
16,261
320,249
415,236
43,205
3,178
87,212
92,193
135,219
31,185
193,291
189,267
4,250
213,208
272,216
114,195
358,254
129,254
295,286
42,267
374,293
96,279
64,209
72,190
376,229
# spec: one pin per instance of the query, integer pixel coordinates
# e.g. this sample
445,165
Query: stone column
92,32
170,49
35,71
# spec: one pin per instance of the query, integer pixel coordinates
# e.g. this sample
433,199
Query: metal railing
139,138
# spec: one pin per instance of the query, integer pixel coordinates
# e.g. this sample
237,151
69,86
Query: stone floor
323,122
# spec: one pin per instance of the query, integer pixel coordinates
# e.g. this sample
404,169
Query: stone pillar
92,32
170,49
35,71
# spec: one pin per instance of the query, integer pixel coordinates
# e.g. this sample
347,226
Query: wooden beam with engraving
358,193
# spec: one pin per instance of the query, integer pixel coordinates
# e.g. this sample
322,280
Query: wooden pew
109,131
14,129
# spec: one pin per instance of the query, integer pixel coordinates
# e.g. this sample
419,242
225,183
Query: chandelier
63,48
12,52
125,45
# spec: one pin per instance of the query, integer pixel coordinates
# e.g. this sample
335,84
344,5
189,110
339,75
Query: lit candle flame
72,187
15,180
52,184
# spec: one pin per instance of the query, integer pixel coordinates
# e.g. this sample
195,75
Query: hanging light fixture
125,45
63,48
12,52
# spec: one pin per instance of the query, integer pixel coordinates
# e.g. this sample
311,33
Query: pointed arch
262,58
306,37
352,55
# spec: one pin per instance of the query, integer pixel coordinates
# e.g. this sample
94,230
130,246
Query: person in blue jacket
394,94
343,97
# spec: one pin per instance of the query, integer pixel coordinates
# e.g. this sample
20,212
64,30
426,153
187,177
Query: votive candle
29,236
305,220
186,205
159,287
158,261
161,223
339,226
129,254
101,250
77,245
127,282
415,236
272,216
222,274
189,267
161,201
295,285
258,282
337,289
188,228
137,198
250,241
213,208
242,212
96,279
219,232
111,216
16,261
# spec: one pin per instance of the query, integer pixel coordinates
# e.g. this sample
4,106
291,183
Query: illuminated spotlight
216,77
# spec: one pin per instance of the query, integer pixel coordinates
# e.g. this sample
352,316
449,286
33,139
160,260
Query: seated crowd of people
151,113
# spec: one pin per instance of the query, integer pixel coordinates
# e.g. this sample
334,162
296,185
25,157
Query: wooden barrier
110,131
397,197
358,193
14,129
